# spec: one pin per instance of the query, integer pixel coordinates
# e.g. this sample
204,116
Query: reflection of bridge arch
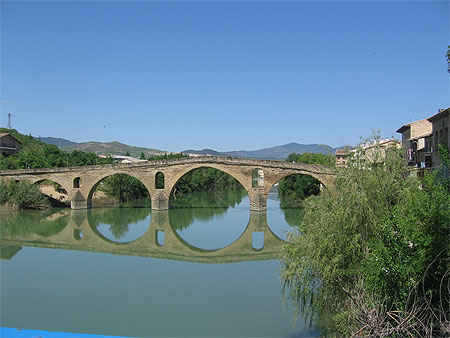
239,168
147,246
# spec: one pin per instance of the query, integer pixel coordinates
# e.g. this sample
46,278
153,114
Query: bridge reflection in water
79,230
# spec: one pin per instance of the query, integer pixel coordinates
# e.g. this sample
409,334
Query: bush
23,195
371,256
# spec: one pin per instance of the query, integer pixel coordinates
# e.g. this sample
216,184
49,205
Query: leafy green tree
204,179
294,189
142,156
370,256
124,187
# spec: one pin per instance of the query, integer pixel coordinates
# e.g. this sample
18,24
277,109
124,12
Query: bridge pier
258,200
160,201
78,201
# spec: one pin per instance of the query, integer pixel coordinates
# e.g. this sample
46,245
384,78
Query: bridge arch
282,175
91,190
56,197
176,178
61,183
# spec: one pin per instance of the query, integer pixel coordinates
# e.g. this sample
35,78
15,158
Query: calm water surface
207,267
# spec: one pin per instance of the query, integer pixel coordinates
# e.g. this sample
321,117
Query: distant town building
440,124
123,159
9,144
371,152
416,140
342,155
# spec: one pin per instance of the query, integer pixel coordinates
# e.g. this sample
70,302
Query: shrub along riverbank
371,257
22,195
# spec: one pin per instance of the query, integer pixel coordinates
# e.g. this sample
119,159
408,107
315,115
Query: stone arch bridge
80,182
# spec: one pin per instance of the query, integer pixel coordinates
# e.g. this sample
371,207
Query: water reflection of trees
118,219
202,206
293,216
43,223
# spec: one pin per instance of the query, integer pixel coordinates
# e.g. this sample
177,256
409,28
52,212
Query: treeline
37,154
292,190
165,156
371,256
204,179
123,188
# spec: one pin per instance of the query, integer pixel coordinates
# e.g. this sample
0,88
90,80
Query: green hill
113,148
37,154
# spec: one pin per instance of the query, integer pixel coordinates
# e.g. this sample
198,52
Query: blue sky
223,75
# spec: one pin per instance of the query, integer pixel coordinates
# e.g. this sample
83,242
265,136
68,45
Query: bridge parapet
172,169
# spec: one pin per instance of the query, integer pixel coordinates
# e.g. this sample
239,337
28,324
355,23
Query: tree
142,156
295,188
124,187
371,255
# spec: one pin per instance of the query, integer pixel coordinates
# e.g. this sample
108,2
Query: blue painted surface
7,332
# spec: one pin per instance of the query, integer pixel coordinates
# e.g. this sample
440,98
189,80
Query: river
206,268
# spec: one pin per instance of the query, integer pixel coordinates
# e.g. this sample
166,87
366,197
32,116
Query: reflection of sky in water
126,232
276,217
101,293
218,232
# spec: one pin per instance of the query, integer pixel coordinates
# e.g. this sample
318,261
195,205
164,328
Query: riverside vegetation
371,256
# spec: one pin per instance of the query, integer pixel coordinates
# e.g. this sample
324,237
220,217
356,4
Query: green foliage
124,187
36,154
166,156
23,195
311,158
376,241
203,206
117,219
159,180
294,189
41,222
142,157
204,179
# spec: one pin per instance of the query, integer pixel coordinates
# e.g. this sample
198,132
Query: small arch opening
159,180
77,234
77,181
258,178
258,240
160,237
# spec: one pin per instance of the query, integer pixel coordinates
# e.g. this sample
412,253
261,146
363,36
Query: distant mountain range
273,153
116,148
102,148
